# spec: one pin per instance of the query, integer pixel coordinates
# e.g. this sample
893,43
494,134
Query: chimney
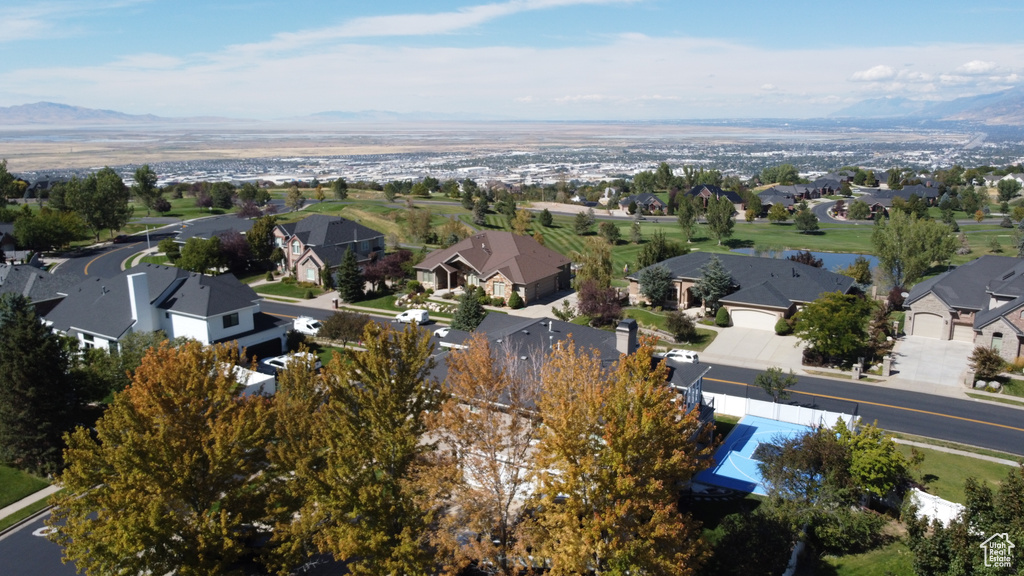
138,295
625,336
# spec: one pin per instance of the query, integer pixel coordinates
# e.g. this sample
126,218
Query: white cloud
47,19
875,74
977,67
768,87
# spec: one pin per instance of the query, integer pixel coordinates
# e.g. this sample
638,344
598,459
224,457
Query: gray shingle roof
761,281
34,283
102,305
716,192
324,230
966,287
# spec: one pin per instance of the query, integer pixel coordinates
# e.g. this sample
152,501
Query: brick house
319,242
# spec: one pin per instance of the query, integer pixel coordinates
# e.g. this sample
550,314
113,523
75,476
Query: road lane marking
89,263
919,411
280,315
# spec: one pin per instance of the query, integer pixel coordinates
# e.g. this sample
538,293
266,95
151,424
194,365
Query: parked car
272,365
442,332
415,315
679,355
122,239
306,325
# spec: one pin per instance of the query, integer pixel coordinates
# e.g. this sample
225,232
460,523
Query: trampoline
735,465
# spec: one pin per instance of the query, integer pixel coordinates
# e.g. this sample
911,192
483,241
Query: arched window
997,341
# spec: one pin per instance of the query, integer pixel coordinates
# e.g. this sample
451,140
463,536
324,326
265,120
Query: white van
415,315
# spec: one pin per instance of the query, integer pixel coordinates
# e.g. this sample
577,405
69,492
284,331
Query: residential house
645,202
99,312
1017,177
317,244
501,262
981,302
773,196
708,191
763,289
535,337
43,289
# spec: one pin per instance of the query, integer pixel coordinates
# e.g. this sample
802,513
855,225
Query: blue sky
516,59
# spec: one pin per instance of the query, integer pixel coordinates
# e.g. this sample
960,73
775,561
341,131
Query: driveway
752,348
930,361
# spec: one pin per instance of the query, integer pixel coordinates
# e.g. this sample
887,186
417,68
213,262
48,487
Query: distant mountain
998,108
62,115
386,116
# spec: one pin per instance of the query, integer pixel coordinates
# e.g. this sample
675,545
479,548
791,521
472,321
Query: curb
21,523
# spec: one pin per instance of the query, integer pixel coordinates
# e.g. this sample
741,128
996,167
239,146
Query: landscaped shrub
681,326
308,295
414,287
449,295
782,327
293,340
847,531
986,362
722,318
498,302
515,301
269,277
288,280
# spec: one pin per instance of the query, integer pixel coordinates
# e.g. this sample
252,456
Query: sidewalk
29,500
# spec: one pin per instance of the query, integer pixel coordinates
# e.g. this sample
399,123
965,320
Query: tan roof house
501,262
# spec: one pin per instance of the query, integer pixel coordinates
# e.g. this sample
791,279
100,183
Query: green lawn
288,290
15,485
893,558
944,474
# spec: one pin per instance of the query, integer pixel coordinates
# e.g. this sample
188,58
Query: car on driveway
679,355
272,365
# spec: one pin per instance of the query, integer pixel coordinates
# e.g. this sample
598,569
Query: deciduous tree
610,232
775,383
806,222
719,218
261,239
145,188
521,222
595,263
101,199
340,189
294,200
686,215
584,222
199,255
907,246
835,325
600,304
1007,190
172,478
858,210
658,249
612,452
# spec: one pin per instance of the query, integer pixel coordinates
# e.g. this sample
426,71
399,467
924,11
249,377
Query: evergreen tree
340,189
470,312
806,222
545,218
35,391
714,282
349,279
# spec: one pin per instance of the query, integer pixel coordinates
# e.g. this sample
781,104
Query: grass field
288,290
944,474
15,485
892,559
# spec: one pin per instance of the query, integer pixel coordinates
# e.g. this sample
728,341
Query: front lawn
15,485
944,473
893,558
289,290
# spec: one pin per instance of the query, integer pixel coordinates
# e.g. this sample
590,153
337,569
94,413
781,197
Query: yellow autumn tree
170,479
615,450
486,429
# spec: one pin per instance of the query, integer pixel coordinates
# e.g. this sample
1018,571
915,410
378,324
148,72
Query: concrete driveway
751,348
931,361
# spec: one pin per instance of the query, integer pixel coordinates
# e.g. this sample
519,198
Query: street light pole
147,238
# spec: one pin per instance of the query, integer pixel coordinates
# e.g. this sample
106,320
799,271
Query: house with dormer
317,244
500,262
645,203
705,192
99,312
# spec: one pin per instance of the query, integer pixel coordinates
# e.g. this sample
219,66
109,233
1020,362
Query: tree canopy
656,284
906,246
835,325
714,283
719,218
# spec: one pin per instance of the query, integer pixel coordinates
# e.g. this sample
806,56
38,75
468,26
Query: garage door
928,325
757,319
963,333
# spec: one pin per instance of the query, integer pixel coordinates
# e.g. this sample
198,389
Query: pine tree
349,278
470,313
35,392
714,282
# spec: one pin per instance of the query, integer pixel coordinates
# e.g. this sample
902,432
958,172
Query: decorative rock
980,384
995,386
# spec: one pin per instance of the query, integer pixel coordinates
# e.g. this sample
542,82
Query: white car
306,325
442,332
414,315
272,365
679,355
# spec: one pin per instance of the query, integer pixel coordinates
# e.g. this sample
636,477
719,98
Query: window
428,278
231,320
471,280
296,247
310,274
498,289
279,242
364,246
89,342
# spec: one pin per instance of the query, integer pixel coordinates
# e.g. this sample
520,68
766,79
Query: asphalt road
27,552
105,261
965,421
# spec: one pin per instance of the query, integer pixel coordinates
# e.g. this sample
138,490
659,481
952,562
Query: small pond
832,260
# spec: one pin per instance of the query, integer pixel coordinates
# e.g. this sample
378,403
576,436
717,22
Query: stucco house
210,309
501,262
318,243
981,302
763,289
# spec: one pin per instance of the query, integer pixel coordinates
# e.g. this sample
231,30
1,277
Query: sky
511,59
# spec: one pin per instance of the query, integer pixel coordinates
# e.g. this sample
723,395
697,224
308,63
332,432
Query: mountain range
1005,108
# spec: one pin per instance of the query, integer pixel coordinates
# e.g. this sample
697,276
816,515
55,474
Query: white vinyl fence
739,406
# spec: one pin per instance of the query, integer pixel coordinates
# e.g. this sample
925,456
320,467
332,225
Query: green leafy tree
545,218
859,270
621,447
349,278
370,451
907,246
47,229
719,218
635,234
223,195
145,188
610,232
778,214
663,176
895,179
681,326
775,383
7,187
785,174
101,199
656,284
686,215
36,395
584,222
480,211
754,207
203,256
806,222
1007,190
294,199
172,478
858,210
261,239
714,283
658,249
835,325
876,464
971,200
595,263
470,312
467,199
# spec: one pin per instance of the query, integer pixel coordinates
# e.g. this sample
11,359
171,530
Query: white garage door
963,333
928,325
757,319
